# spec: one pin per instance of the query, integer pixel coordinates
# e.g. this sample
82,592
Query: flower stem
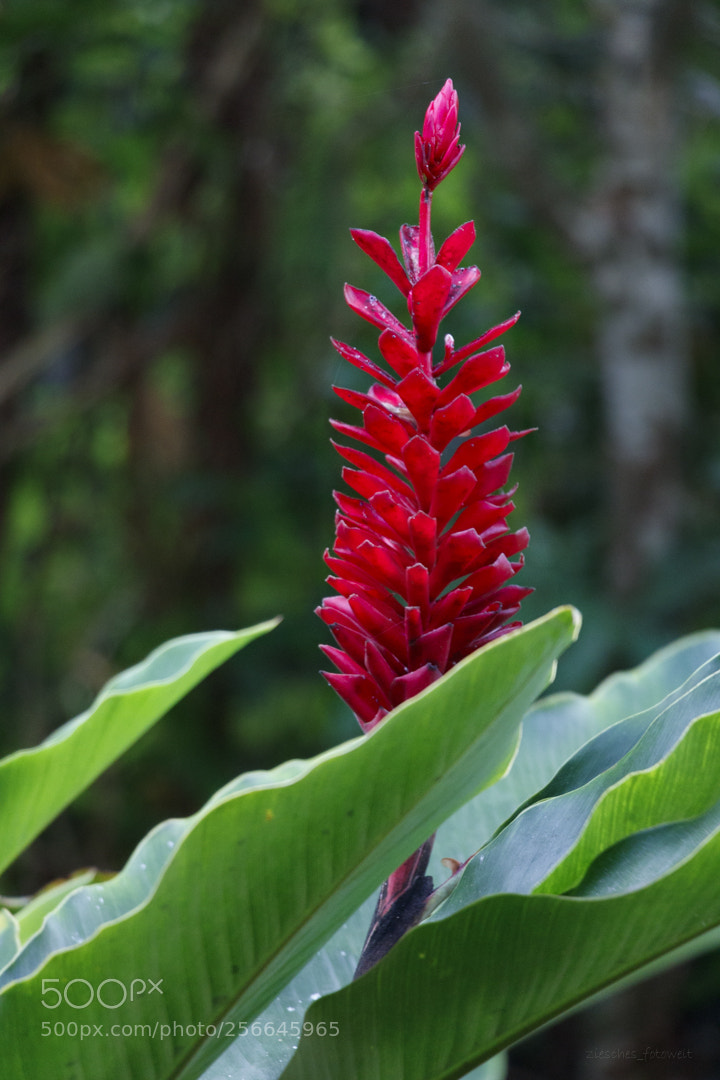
399,907
425,252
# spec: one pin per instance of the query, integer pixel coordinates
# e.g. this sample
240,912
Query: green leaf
36,784
646,789
462,988
645,856
559,724
260,879
9,936
30,917
557,727
630,777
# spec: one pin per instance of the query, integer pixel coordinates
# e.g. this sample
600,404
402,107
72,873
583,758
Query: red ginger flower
423,555
437,150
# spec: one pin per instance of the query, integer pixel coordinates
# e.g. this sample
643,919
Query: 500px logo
110,993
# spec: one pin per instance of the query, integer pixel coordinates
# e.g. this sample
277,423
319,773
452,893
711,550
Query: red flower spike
423,561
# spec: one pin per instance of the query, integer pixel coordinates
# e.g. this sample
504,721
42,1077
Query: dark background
177,179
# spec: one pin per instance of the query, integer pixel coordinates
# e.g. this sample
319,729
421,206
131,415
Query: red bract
423,557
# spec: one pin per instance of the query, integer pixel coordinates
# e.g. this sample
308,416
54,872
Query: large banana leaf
597,800
36,784
455,991
491,965
226,908
558,725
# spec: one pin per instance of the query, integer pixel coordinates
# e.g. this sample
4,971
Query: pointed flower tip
437,149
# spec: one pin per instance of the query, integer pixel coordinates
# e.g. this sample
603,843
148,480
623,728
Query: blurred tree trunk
634,231
626,232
